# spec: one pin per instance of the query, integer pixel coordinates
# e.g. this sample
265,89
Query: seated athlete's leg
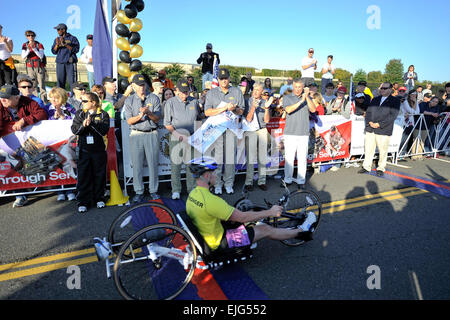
265,231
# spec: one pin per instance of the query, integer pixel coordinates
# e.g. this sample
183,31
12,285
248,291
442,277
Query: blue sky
264,34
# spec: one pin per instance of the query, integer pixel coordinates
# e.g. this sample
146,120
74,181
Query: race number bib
237,237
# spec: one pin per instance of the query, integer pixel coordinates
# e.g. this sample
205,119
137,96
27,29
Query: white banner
358,135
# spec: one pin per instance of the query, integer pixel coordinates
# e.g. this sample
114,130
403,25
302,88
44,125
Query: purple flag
102,57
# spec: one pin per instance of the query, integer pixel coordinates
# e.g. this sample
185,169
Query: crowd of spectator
147,105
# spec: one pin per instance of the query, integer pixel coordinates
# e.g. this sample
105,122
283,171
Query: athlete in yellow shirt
207,212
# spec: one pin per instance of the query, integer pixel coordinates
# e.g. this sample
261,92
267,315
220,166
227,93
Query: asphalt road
403,232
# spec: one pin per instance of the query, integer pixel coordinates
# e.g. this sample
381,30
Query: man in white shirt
328,71
309,64
86,57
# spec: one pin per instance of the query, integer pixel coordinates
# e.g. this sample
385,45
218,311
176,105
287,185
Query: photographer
65,47
91,124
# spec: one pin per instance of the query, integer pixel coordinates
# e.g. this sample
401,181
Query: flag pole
115,6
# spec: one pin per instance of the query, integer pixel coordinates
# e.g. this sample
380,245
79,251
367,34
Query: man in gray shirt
142,113
257,139
233,101
180,114
297,105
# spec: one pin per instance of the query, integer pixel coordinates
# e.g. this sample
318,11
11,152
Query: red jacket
27,109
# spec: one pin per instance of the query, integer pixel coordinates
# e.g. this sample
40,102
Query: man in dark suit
380,118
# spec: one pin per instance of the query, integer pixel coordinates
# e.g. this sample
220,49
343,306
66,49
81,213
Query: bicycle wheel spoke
156,270
136,218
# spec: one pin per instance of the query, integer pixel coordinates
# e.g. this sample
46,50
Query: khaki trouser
256,150
223,150
180,152
38,74
371,142
144,145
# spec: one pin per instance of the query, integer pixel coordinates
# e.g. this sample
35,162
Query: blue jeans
324,83
91,79
206,77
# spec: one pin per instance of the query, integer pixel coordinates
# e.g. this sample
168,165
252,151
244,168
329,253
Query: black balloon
122,30
123,84
124,56
134,38
131,11
135,65
139,4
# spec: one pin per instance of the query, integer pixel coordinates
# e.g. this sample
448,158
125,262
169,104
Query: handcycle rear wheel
140,276
300,202
125,225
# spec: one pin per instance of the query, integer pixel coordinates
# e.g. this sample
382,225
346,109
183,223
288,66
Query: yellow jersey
207,211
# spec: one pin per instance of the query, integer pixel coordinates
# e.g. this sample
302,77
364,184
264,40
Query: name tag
90,140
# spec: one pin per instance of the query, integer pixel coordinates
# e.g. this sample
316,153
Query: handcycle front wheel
299,204
150,263
135,218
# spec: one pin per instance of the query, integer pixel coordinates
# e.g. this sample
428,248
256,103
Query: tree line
393,72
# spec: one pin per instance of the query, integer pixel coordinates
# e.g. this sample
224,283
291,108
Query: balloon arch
128,41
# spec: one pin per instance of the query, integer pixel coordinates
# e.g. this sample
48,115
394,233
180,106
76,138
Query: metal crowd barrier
422,140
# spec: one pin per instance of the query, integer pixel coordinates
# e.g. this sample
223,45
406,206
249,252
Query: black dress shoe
248,187
363,171
301,186
262,187
380,173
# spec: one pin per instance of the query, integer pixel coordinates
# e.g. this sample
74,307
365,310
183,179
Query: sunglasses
81,89
26,87
384,88
31,35
85,101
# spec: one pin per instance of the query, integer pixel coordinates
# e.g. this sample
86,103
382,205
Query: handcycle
158,261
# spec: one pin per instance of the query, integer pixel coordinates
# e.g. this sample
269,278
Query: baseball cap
24,77
342,89
108,79
209,45
61,26
402,89
224,73
314,85
182,85
7,91
79,85
138,79
89,37
362,83
360,95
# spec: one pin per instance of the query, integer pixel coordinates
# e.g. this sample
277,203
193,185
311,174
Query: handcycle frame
195,248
